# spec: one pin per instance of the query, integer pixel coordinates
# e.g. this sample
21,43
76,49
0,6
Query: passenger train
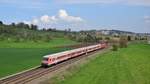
61,56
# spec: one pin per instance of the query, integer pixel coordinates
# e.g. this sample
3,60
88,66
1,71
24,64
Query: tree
34,27
69,30
21,25
1,23
107,38
129,38
89,38
13,24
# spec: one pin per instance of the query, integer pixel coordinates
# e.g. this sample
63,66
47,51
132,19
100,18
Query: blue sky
129,15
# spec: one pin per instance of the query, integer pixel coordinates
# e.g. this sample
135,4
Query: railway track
30,75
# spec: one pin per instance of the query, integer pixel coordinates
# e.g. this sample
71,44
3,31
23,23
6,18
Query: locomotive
51,59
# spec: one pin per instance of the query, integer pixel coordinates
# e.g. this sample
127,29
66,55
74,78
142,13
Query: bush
123,42
129,38
115,47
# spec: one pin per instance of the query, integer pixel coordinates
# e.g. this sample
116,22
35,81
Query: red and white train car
59,57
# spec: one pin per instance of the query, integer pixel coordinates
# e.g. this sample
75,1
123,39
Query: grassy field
13,60
53,43
127,66
15,57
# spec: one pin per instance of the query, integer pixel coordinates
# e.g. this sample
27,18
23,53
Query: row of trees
21,35
86,38
22,32
21,25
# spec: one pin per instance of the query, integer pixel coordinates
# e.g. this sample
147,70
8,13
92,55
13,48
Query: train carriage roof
68,52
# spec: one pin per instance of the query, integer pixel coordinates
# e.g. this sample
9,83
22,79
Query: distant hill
119,32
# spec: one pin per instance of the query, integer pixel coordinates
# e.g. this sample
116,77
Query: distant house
105,32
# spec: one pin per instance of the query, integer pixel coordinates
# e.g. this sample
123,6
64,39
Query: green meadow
126,66
13,60
16,57
55,42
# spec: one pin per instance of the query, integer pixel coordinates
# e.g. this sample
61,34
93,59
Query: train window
53,59
59,57
45,59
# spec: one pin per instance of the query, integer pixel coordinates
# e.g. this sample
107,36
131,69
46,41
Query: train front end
44,62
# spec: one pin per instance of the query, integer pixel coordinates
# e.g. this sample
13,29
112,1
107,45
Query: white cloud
63,15
35,21
129,2
62,18
45,19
